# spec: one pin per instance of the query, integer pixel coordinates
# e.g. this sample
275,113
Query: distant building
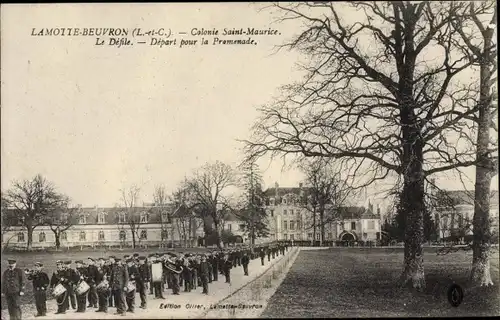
454,211
154,226
289,219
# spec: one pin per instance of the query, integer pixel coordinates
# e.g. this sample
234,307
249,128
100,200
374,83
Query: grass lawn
357,282
27,260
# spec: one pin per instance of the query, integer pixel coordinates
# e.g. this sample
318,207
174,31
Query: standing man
186,273
150,262
133,273
204,273
13,283
262,254
92,282
142,281
81,299
103,292
245,260
59,277
73,280
215,266
40,284
118,282
268,249
226,267
109,269
157,285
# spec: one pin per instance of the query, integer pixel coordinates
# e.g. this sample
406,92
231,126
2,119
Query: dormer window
82,219
121,217
102,218
144,217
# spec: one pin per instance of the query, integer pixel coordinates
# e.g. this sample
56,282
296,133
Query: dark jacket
92,274
245,260
204,266
13,281
119,277
144,274
40,280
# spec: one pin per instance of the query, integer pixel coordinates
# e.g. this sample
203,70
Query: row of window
285,212
292,236
143,235
293,224
284,200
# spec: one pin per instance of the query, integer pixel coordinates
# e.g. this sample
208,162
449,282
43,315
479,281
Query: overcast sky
96,119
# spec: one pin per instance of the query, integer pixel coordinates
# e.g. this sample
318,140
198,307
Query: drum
157,272
103,286
130,286
82,288
59,290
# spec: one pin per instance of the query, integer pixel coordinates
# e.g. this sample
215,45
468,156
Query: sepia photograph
320,159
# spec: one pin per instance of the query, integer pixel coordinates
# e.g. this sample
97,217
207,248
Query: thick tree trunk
133,239
322,226
29,229
480,272
314,228
217,234
58,240
413,202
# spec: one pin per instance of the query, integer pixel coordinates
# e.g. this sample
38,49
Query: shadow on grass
363,283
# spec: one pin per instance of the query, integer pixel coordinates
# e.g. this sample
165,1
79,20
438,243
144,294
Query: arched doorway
347,237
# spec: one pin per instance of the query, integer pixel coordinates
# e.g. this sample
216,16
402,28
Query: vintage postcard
249,160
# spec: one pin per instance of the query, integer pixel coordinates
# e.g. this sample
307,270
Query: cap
101,258
142,258
59,262
90,258
136,254
118,259
112,257
126,256
11,260
129,259
38,264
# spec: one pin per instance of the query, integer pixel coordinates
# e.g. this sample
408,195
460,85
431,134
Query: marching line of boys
104,283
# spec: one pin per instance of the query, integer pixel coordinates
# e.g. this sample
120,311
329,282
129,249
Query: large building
455,209
150,225
289,218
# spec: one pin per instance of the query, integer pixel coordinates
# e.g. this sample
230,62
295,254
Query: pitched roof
351,212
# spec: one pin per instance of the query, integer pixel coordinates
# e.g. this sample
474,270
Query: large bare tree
207,193
32,200
131,212
61,219
478,38
380,89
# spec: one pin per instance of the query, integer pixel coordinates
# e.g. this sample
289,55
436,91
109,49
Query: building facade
454,212
151,225
290,218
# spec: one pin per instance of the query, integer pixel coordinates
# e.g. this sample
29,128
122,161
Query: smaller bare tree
61,219
130,197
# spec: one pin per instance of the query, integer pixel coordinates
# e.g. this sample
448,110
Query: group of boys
114,282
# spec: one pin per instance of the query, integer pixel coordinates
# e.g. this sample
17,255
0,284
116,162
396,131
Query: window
371,225
298,224
272,212
330,236
460,221
101,218
83,236
20,237
285,225
346,226
101,235
292,225
292,237
144,235
242,227
123,235
82,219
267,201
164,234
309,236
229,227
64,236
41,237
121,217
318,236
284,212
286,236
353,225
291,212
378,235
144,217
